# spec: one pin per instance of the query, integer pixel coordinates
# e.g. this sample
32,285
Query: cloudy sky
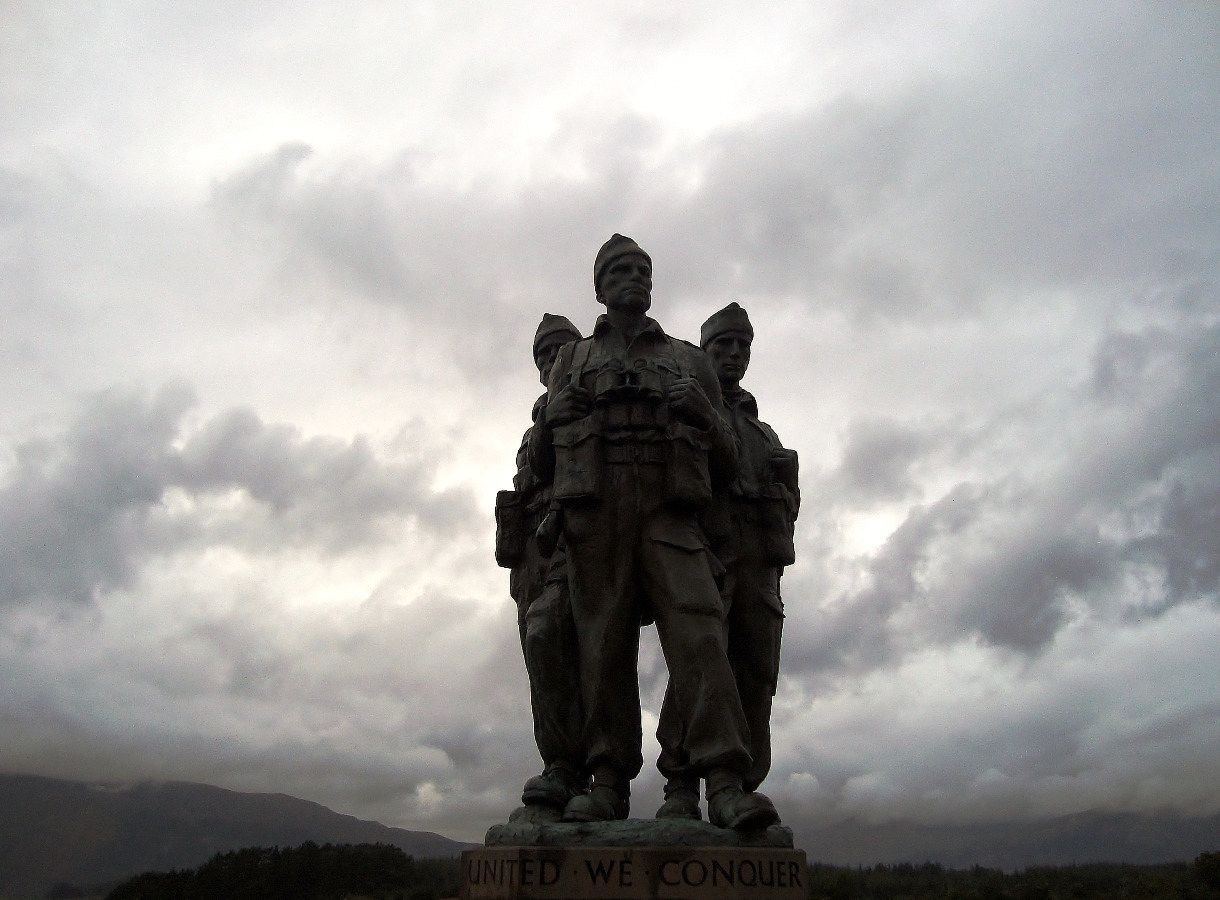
269,275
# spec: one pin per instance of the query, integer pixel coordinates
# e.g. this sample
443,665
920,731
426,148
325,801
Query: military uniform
631,479
750,526
538,583
544,618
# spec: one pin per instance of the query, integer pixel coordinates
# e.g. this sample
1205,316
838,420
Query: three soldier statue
648,490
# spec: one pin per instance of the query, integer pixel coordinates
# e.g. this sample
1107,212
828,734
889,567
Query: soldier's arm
541,451
523,477
724,447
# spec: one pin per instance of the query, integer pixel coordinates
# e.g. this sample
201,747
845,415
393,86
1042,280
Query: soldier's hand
571,403
688,400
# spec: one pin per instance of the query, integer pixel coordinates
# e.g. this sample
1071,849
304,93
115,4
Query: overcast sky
269,275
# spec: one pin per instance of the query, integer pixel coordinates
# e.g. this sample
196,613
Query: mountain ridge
54,831
1093,836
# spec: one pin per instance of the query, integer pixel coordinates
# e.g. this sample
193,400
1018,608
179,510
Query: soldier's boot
729,806
609,799
536,815
681,800
555,787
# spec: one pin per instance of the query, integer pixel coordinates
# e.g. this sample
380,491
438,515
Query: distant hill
55,831
79,833
1082,838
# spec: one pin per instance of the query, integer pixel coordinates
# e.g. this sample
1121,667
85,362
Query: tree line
384,872
307,872
1199,880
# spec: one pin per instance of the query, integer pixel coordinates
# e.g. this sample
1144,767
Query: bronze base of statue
633,833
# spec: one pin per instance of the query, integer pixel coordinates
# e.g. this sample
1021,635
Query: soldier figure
538,582
750,525
632,437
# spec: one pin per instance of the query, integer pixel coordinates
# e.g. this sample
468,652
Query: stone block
633,873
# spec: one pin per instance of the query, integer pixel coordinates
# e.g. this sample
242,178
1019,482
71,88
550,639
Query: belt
646,454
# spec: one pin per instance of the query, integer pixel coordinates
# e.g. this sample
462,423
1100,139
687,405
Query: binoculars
618,383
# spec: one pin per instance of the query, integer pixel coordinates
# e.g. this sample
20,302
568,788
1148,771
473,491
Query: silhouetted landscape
56,832
379,872
67,839
308,872
1089,837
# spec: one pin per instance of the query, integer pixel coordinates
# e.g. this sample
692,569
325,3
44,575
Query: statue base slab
610,872
633,833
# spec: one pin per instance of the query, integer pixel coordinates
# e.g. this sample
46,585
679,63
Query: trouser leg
553,663
755,627
525,582
702,692
601,541
673,763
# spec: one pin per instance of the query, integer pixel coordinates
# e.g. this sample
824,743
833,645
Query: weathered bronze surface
648,490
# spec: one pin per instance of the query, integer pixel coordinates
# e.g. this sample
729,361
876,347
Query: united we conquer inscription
602,873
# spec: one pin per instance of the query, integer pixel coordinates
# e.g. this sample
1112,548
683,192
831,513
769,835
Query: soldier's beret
618,245
553,325
731,318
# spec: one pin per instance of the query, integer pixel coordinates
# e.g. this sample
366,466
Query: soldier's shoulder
687,349
767,430
565,353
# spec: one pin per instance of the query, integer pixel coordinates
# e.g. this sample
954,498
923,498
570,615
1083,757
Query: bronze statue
538,582
750,527
634,441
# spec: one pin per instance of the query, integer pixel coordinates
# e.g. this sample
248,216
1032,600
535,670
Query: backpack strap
684,369
580,359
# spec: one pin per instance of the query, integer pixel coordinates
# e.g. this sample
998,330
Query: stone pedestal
633,860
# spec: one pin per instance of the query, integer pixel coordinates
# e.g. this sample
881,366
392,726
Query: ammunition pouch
717,524
784,466
688,480
776,525
636,453
511,529
577,461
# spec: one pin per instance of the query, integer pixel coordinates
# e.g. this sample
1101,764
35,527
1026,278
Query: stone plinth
633,873
635,859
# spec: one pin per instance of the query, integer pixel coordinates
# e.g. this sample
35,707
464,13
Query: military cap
618,245
554,325
731,318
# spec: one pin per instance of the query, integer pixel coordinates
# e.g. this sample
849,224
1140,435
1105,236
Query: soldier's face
730,355
548,350
626,284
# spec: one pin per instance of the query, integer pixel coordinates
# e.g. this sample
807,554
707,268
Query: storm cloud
269,283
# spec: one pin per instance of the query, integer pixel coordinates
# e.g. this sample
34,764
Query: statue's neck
629,323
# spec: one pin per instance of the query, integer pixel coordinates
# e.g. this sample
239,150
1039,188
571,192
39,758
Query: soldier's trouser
755,626
627,552
548,643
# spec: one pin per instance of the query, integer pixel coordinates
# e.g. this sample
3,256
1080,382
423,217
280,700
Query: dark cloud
877,459
1130,499
72,512
82,512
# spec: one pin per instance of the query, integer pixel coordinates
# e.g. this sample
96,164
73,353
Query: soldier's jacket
761,496
631,421
520,511
534,493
